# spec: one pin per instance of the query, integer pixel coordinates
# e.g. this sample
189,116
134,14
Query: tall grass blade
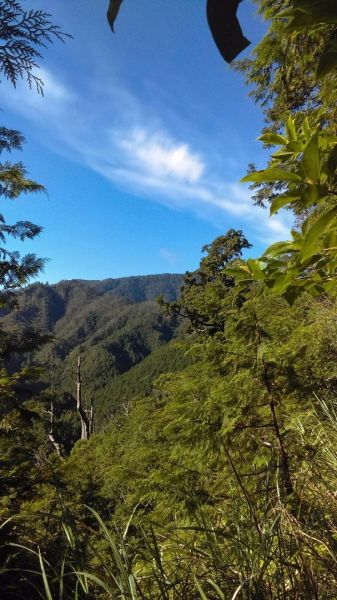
217,589
200,590
45,578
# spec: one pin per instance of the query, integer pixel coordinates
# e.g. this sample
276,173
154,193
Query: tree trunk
51,431
85,425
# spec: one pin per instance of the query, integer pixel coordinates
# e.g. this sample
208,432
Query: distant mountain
113,324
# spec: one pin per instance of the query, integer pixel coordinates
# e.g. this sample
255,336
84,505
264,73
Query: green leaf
330,240
291,129
311,160
217,589
273,138
113,11
332,163
306,13
326,63
282,155
238,272
306,127
255,267
282,201
278,249
45,578
283,282
315,232
291,295
270,175
313,193
200,590
295,146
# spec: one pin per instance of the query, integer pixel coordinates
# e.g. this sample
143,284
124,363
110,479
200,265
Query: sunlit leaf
278,248
291,128
283,200
270,175
255,267
315,232
311,159
272,138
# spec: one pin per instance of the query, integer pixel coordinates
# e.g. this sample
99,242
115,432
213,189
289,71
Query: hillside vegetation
112,324
186,448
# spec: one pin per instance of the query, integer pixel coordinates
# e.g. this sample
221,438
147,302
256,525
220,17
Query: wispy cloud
57,97
168,256
111,132
161,156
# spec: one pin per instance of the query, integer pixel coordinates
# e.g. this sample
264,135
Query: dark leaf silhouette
113,11
225,28
222,21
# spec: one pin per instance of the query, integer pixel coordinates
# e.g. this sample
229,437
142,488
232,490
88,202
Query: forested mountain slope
113,324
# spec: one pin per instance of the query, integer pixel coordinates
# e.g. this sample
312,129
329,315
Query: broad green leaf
315,232
311,160
291,295
278,249
113,11
291,129
295,146
283,282
282,155
330,240
332,164
328,136
273,138
313,193
282,201
238,272
255,267
270,175
327,62
306,127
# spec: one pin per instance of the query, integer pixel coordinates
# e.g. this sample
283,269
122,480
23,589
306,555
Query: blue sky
141,139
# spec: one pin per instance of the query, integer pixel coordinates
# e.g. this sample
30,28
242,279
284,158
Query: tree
22,33
313,13
305,171
22,431
203,295
282,72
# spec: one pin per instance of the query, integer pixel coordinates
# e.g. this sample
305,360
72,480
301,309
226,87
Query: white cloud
162,156
54,90
56,100
113,133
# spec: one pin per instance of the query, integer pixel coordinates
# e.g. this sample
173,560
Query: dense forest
174,436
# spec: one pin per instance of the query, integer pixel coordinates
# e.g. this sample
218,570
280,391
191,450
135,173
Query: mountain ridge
114,324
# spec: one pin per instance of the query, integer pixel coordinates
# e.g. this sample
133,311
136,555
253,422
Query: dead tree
50,413
51,431
91,417
86,423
